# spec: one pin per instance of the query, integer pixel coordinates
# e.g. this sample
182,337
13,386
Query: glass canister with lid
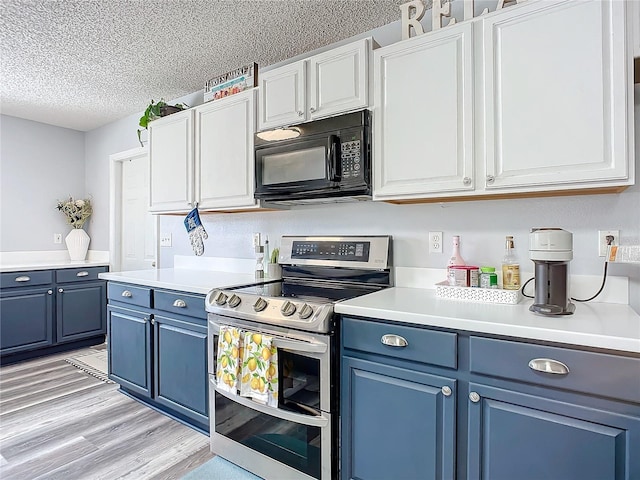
488,277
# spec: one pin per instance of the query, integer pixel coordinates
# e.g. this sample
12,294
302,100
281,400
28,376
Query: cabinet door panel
26,320
171,161
512,435
282,96
423,115
130,349
556,114
81,311
338,80
224,152
181,367
396,423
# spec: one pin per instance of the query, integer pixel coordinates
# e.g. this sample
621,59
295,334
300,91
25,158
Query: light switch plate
165,239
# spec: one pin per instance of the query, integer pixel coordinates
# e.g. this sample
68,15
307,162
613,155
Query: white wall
39,165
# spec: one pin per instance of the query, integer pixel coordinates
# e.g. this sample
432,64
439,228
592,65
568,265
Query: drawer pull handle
127,294
394,340
180,303
84,273
24,278
547,365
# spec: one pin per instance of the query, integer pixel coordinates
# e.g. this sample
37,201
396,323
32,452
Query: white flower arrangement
76,211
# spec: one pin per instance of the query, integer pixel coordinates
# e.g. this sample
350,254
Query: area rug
220,469
94,364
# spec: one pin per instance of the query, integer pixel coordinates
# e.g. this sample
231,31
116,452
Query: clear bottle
267,256
456,258
510,266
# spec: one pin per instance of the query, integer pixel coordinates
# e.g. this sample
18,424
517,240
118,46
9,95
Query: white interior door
138,226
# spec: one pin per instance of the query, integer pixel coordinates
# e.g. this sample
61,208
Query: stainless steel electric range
298,436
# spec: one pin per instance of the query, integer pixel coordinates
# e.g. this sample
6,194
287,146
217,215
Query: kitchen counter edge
598,325
181,279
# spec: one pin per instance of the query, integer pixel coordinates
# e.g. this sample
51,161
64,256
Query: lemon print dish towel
247,362
259,368
228,359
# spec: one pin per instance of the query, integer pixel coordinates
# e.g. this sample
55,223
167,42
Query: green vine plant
156,110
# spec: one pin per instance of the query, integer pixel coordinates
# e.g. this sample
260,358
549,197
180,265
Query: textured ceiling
81,64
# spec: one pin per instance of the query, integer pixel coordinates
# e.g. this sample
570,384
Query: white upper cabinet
332,82
556,96
533,99
171,163
224,163
282,95
423,115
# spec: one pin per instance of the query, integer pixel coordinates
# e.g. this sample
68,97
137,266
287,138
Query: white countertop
182,279
600,325
49,265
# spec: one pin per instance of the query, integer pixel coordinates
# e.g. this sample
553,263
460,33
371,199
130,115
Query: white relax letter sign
439,9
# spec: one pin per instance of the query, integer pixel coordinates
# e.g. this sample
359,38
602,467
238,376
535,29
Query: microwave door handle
335,173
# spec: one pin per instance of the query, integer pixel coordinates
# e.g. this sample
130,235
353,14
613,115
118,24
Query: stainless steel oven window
294,166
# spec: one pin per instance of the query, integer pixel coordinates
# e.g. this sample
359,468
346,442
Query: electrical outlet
603,241
256,240
165,239
57,238
435,242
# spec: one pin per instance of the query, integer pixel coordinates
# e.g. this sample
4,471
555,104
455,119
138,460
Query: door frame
115,205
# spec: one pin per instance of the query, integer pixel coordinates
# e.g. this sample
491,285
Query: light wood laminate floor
58,422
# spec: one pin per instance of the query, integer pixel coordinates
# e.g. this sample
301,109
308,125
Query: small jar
488,277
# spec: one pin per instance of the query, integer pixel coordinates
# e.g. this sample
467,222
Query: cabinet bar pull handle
127,294
84,273
24,278
547,365
180,303
394,340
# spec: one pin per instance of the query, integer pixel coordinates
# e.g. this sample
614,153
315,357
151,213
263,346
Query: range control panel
350,251
328,250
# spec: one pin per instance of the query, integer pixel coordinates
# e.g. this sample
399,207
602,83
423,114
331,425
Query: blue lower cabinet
396,423
181,367
26,319
517,436
81,311
129,346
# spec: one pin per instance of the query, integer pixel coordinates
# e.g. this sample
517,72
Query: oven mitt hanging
196,231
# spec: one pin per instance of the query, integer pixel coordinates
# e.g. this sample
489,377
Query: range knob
234,301
305,312
220,298
288,309
260,304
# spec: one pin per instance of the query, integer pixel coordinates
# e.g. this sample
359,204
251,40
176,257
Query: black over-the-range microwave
322,160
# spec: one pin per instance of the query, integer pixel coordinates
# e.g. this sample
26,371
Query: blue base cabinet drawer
26,279
580,371
179,303
425,346
129,294
69,275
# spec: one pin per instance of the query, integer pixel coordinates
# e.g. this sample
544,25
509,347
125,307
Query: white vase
77,244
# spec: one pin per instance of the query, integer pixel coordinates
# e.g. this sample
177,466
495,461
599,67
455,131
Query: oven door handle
315,421
287,343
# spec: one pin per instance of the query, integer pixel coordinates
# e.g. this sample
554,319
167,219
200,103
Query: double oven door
296,439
